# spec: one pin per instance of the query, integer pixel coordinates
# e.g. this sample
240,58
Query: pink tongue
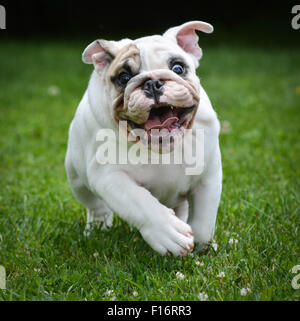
155,123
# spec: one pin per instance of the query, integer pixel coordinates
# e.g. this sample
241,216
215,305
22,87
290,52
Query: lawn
42,245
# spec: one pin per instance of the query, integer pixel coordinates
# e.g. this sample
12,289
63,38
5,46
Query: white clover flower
37,269
96,254
199,263
53,90
214,245
135,293
221,275
113,298
233,241
109,292
225,127
245,291
202,296
180,276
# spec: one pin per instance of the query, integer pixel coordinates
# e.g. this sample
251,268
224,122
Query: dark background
253,21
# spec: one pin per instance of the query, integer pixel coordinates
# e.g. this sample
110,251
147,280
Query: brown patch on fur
130,55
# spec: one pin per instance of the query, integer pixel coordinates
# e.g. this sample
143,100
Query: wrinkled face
156,87
152,80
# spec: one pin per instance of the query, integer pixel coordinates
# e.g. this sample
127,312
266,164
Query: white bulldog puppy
151,83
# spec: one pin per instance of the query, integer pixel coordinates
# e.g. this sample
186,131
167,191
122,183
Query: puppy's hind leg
97,211
182,211
99,216
204,203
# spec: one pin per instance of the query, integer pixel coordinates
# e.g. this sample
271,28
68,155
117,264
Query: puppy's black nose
153,89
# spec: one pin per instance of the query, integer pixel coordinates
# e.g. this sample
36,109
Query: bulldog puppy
151,83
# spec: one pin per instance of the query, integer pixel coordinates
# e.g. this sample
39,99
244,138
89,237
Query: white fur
146,196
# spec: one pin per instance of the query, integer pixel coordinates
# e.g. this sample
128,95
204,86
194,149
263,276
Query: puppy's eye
178,69
124,77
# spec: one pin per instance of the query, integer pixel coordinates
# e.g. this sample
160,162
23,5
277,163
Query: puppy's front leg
160,228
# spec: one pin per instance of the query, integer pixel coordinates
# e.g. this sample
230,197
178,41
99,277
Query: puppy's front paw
168,234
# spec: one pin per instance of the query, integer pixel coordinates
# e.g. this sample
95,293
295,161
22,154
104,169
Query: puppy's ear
100,53
187,38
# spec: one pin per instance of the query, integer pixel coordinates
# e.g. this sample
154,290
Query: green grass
42,245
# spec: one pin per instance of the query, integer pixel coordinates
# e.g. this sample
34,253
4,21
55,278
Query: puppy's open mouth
165,118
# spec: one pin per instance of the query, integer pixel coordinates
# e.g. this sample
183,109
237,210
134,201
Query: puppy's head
151,82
